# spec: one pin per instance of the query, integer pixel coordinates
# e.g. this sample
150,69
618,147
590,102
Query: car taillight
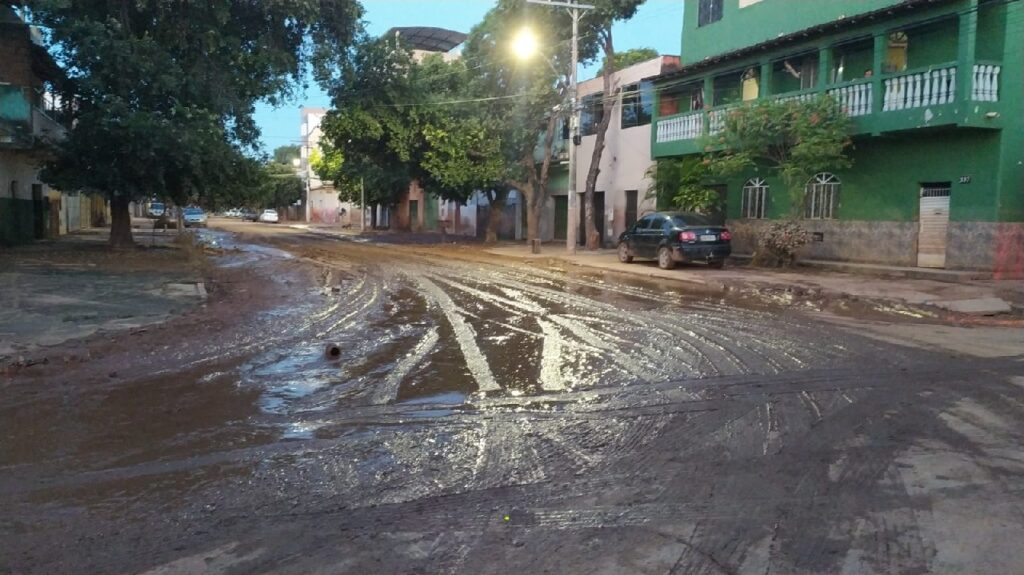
687,237
725,236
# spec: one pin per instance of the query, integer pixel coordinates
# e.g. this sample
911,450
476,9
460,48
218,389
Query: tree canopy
623,60
285,154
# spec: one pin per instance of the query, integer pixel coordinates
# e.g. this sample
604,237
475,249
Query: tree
285,154
682,183
630,57
599,22
372,130
792,140
279,186
520,104
165,91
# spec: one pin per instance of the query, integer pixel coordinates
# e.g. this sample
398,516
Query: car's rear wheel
665,260
624,255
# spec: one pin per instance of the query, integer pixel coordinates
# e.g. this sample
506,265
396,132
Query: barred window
821,196
755,198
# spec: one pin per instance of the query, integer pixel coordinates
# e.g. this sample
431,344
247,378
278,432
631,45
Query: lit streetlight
524,45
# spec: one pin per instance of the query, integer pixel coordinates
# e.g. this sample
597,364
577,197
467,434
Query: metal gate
934,225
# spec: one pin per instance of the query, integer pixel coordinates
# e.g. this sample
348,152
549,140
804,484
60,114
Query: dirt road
491,418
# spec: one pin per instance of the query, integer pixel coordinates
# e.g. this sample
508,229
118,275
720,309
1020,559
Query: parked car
675,237
233,213
156,210
269,217
194,217
248,215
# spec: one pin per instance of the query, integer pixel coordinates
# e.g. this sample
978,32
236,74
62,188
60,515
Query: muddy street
489,416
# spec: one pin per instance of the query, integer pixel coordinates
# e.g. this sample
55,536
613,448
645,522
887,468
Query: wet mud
490,418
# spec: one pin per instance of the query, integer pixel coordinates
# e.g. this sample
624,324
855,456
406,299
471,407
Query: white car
269,216
194,217
233,213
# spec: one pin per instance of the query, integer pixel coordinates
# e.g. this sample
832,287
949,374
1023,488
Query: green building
934,89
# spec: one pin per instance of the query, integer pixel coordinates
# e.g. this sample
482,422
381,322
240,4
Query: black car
673,237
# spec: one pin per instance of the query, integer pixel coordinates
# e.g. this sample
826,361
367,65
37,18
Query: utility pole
362,205
572,225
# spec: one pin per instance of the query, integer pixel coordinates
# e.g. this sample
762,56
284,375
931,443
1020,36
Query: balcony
28,118
913,99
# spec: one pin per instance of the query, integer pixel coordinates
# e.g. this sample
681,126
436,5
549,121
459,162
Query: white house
621,191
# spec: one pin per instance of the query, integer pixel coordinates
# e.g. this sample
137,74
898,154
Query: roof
814,31
427,38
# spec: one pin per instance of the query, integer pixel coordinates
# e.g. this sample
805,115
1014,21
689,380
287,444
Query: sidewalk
72,287
968,296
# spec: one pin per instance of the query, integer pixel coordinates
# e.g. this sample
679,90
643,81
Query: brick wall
16,63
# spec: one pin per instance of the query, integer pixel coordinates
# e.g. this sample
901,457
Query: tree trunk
373,217
498,199
535,188
120,223
533,210
610,98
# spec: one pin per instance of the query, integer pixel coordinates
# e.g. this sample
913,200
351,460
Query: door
429,211
39,216
598,218
649,236
632,207
561,217
934,225
414,214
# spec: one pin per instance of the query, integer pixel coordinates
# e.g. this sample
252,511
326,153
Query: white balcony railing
797,97
920,89
986,83
682,127
716,119
855,99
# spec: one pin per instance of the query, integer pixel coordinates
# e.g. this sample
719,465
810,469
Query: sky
657,24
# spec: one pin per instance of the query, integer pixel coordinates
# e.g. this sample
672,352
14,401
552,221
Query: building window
593,113
755,198
896,53
795,73
689,98
637,105
709,11
821,196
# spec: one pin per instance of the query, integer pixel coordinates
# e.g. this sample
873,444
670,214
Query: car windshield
193,211
157,206
269,212
683,220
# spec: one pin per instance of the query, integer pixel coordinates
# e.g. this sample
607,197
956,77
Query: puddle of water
290,378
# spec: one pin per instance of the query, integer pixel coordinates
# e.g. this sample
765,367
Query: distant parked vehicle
156,210
248,215
194,217
269,217
675,237
233,213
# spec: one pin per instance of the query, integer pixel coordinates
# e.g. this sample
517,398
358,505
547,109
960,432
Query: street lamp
525,44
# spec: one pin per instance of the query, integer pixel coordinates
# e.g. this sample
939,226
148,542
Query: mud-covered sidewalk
955,292
74,287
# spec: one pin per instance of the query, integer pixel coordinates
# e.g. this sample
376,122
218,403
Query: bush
779,243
